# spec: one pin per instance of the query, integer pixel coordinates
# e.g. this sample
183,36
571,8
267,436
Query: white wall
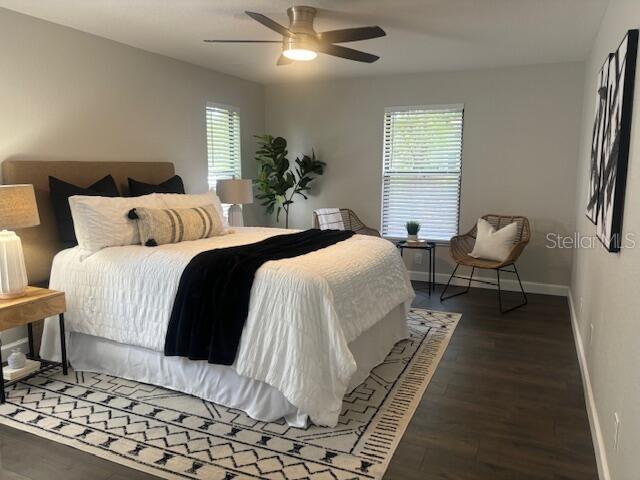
604,285
520,132
68,95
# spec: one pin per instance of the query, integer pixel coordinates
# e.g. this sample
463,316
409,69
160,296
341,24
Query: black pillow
60,193
172,185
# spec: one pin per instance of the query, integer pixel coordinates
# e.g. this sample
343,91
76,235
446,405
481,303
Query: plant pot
412,238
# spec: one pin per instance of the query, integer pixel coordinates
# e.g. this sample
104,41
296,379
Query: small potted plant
412,231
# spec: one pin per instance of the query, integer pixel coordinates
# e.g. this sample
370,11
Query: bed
317,324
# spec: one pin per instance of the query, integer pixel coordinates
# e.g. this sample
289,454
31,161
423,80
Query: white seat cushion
494,245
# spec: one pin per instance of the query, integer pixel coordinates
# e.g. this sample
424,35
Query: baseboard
506,284
594,421
21,344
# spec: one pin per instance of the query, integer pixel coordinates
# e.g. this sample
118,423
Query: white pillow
180,200
492,245
101,222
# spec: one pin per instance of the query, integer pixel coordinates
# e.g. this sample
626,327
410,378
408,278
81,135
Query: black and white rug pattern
174,435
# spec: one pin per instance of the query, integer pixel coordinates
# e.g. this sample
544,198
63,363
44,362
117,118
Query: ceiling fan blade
273,25
351,34
348,53
242,41
282,60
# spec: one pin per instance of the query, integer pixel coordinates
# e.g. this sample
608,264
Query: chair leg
442,297
453,274
524,295
499,292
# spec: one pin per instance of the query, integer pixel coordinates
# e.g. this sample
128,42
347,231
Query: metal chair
460,246
351,222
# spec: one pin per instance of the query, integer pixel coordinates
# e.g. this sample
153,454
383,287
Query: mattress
303,314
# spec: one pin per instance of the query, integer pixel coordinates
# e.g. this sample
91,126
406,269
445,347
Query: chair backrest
501,221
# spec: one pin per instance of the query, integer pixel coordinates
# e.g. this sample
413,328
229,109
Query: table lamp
18,209
236,192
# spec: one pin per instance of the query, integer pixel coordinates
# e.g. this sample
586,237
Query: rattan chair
351,222
461,245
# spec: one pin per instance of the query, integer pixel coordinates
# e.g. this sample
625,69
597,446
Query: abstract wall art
596,143
611,136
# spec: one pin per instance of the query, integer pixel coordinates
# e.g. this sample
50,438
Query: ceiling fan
300,42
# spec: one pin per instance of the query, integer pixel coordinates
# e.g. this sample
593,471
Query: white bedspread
303,311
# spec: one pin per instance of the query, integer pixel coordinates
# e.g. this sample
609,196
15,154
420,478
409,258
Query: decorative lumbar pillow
102,222
491,244
60,193
195,200
171,185
173,225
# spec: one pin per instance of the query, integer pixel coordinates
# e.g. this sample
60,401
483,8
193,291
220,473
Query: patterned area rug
174,435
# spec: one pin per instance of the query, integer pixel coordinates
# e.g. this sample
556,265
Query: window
421,170
223,144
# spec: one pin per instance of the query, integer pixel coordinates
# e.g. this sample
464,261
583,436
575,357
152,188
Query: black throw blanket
212,302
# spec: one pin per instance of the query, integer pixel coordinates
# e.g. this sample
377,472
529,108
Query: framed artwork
597,133
610,142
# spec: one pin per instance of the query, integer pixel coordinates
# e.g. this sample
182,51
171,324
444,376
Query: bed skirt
218,383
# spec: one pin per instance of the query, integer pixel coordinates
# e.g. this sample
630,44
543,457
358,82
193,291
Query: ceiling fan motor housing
301,24
301,20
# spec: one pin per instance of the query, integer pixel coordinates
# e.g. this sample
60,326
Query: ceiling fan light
299,54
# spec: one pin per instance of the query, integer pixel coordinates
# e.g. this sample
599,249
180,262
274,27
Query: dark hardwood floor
506,403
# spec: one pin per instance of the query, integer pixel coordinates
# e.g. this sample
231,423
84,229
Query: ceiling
422,35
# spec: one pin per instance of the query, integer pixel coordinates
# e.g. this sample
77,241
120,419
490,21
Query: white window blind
421,170
223,143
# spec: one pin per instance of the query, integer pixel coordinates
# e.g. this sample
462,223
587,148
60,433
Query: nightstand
36,304
430,247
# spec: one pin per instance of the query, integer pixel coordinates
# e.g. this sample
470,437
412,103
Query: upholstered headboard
41,243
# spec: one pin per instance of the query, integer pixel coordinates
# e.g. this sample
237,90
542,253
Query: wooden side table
37,304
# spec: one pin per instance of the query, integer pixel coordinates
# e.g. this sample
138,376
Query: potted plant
277,183
413,228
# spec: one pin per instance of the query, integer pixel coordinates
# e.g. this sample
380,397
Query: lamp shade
235,191
18,207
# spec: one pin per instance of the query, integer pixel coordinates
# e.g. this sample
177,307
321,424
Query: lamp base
13,274
235,216
9,296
